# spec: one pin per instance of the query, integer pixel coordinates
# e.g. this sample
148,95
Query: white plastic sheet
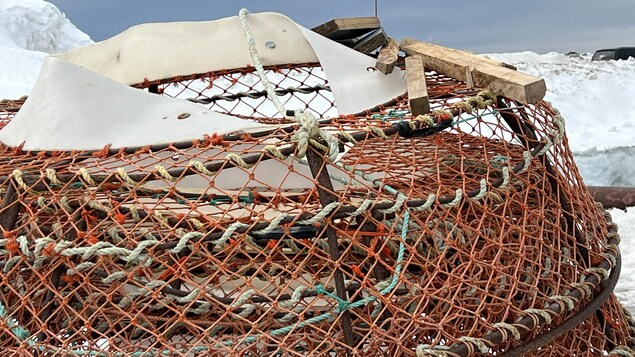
75,108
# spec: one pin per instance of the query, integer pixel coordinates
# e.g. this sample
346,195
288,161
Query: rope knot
310,132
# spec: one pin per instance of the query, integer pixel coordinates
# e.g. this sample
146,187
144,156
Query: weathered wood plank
417,88
387,57
371,42
486,73
347,28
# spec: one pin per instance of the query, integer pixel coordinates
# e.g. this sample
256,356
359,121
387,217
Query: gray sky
479,26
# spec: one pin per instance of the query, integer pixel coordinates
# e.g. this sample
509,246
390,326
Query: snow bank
29,30
625,289
37,25
597,99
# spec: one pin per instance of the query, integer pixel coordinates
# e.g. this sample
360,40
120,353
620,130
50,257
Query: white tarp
74,108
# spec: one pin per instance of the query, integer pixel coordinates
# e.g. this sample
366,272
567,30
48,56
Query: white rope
251,42
52,176
309,125
504,327
86,176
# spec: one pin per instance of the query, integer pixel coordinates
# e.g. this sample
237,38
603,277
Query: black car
622,53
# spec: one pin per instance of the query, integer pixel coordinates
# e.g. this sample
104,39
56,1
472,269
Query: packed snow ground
596,98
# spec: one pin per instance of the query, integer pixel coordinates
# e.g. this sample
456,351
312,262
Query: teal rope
343,305
478,116
20,332
390,114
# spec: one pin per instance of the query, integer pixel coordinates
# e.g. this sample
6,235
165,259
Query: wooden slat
347,28
486,73
417,88
387,57
371,42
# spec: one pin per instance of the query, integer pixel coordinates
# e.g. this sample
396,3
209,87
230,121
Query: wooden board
387,57
371,42
486,73
417,88
347,28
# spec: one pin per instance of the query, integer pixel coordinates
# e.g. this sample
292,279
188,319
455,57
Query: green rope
465,120
342,306
20,332
390,114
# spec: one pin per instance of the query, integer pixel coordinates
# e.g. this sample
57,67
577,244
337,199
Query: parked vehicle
622,53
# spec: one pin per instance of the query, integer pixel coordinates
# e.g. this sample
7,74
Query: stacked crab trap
249,187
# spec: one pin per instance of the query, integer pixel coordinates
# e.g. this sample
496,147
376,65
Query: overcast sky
479,26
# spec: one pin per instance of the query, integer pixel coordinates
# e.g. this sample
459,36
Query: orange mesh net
464,232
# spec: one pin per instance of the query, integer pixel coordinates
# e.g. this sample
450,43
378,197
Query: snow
597,101
596,98
29,30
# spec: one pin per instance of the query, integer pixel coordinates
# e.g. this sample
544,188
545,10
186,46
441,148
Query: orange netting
467,231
